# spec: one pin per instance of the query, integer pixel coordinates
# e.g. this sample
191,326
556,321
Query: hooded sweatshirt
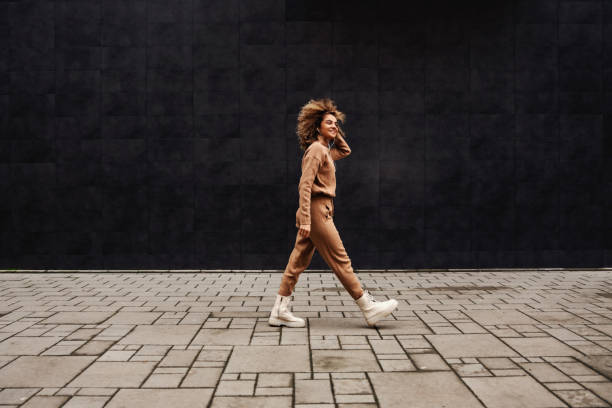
318,174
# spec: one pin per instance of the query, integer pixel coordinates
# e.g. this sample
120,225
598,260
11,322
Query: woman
317,127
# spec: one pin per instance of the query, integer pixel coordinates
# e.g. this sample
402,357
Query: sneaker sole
278,322
372,321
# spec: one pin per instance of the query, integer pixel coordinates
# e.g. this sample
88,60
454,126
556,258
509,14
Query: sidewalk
495,339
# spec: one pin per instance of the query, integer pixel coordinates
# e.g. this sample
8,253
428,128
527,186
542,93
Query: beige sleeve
311,162
340,149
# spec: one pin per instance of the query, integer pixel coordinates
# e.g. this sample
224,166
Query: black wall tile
162,134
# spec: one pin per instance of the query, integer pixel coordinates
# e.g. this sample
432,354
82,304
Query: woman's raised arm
340,149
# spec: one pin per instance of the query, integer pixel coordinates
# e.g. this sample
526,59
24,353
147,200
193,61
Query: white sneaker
281,313
372,310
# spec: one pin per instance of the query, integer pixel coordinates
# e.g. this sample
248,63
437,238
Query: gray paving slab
46,401
269,359
460,338
113,374
470,345
133,318
313,392
343,326
154,398
602,389
77,317
26,346
344,360
223,337
560,317
251,402
492,317
512,392
540,346
422,390
16,396
161,334
42,371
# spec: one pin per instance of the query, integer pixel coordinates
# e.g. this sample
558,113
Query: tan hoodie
318,174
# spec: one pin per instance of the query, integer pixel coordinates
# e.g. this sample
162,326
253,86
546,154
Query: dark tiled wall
160,134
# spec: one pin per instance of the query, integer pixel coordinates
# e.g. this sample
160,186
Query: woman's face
329,127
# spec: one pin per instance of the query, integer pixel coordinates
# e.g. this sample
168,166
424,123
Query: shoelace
370,297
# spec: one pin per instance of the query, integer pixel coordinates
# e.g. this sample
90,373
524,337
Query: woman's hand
305,230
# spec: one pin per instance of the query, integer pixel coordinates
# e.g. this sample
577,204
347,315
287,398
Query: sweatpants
323,237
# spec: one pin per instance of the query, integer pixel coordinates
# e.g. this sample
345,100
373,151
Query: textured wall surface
160,134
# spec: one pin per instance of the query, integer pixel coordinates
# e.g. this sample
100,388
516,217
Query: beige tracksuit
317,189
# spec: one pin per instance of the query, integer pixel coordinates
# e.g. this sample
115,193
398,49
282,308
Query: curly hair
310,118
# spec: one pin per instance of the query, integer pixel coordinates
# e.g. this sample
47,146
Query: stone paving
460,339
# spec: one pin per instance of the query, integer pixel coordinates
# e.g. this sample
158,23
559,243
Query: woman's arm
310,167
340,149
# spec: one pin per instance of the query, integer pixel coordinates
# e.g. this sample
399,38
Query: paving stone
353,399
153,350
163,381
397,365
294,337
604,328
86,402
422,390
574,368
530,315
83,334
63,348
133,318
386,346
471,370
77,317
343,360
342,326
313,392
541,346
213,355
563,334
268,359
351,386
223,337
235,388
581,399
496,317
274,380
470,345
251,402
544,372
159,334
16,396
602,389
45,402
159,398
500,363
30,346
113,374
426,361
560,317
42,371
353,340
202,377
179,358
406,327
119,355
512,392
92,392
274,391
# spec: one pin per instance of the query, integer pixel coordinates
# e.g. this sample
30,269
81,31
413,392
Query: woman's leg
300,258
327,241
